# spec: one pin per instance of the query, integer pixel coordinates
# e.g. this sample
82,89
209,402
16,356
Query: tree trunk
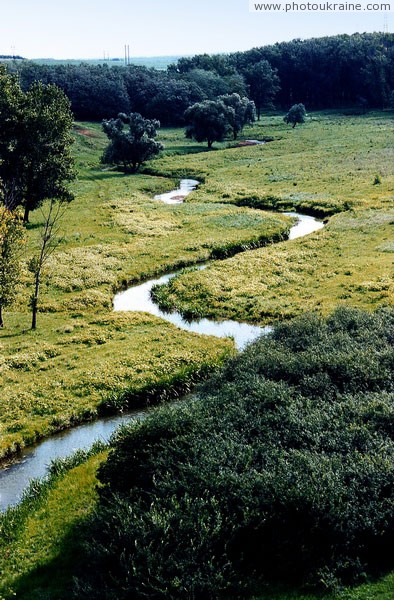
1,316
46,239
34,300
26,215
34,314
210,142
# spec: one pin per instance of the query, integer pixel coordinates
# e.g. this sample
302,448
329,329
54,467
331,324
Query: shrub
296,114
282,469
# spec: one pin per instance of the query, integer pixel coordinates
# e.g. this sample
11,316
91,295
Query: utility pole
126,54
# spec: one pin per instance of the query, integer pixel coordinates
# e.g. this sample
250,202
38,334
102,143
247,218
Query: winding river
34,461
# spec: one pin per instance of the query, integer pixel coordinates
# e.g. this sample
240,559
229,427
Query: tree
263,83
209,121
35,157
170,100
49,241
130,148
11,97
96,91
12,235
244,111
210,83
296,114
45,147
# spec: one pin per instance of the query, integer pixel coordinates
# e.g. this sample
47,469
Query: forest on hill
343,71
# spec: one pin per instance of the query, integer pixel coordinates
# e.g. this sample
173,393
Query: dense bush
282,469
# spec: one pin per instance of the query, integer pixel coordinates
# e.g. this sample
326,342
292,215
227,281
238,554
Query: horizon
82,30
180,55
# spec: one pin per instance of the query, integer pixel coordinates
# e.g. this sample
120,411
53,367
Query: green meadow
327,165
338,167
85,360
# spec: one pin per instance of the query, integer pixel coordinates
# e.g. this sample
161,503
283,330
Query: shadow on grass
103,175
181,150
32,226
53,580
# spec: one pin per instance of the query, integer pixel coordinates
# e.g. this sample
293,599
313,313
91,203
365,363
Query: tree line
330,72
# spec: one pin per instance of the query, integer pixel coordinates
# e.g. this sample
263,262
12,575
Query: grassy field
325,166
82,355
333,164
83,358
40,536
316,273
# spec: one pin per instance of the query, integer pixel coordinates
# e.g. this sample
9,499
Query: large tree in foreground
11,99
129,148
209,121
35,147
46,147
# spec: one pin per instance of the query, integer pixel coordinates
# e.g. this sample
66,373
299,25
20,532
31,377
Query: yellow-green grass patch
348,262
64,372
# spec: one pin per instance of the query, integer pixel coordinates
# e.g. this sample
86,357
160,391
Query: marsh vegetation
309,374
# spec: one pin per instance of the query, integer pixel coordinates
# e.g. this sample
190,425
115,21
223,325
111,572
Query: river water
186,186
138,298
34,461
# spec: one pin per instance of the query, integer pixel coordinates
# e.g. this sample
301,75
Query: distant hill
156,62
10,57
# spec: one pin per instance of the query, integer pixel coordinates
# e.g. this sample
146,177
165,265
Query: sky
92,28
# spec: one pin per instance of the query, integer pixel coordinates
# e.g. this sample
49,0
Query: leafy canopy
35,147
263,83
244,111
209,121
296,114
130,148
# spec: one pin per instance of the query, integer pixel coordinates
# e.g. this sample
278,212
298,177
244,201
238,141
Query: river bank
33,462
